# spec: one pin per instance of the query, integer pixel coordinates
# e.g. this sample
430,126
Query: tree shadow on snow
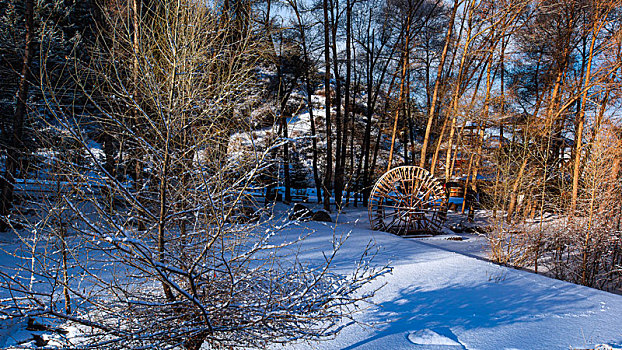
482,306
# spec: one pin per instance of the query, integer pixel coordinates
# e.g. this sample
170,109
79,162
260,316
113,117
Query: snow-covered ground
436,298
442,294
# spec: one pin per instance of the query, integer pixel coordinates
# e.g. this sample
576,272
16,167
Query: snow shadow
464,308
436,298
468,308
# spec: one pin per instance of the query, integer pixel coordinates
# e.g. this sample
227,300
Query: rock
39,327
34,326
301,213
321,215
39,340
454,238
457,228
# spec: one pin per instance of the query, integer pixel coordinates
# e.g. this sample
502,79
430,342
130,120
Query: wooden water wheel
407,200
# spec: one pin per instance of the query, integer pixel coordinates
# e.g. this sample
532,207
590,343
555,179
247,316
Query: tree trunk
16,145
286,175
526,141
372,98
339,119
405,62
369,112
581,119
162,215
316,177
437,84
347,109
329,148
309,92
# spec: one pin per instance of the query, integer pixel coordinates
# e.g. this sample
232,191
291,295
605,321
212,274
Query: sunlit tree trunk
437,85
598,25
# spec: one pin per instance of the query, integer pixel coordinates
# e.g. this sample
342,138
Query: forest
146,147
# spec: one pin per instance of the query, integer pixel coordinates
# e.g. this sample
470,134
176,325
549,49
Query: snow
441,294
428,337
436,298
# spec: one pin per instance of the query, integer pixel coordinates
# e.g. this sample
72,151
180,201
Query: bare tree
184,257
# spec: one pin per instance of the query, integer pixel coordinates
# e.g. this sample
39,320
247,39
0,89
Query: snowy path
438,299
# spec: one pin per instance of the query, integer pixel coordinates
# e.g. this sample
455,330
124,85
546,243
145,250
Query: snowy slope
438,299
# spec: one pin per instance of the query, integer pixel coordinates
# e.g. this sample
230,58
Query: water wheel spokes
407,200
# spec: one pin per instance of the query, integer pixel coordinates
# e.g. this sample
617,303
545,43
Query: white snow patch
429,337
